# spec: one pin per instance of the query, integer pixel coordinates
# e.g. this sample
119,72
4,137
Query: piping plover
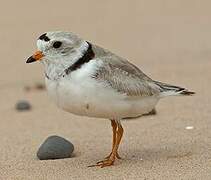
87,80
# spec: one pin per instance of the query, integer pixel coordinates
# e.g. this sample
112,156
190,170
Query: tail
170,90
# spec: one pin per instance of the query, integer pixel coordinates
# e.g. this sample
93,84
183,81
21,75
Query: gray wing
123,76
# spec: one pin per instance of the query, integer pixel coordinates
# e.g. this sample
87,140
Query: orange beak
37,56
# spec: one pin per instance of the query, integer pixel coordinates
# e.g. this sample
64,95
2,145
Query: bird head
55,47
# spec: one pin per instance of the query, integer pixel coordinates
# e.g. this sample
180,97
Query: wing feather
124,77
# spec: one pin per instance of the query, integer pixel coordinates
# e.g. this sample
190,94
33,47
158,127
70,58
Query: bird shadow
174,152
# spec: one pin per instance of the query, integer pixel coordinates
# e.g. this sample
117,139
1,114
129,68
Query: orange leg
114,128
117,128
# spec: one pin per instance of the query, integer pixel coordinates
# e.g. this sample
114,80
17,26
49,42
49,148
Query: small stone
189,127
39,86
23,105
55,147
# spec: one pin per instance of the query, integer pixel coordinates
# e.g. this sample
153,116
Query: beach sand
169,40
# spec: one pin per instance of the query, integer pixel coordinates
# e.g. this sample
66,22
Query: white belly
96,101
80,94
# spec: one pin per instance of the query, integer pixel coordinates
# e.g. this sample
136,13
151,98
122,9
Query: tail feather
187,93
171,90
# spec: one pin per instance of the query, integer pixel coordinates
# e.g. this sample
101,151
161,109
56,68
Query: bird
87,80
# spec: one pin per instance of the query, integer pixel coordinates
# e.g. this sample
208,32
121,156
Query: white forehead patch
43,45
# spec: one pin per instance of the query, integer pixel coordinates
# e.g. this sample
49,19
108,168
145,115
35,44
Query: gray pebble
23,105
55,147
39,86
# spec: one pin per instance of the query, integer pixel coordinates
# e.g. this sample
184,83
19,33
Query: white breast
80,94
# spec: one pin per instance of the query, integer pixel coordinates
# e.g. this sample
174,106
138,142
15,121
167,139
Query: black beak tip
30,60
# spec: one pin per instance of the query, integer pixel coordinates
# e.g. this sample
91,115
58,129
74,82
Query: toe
104,163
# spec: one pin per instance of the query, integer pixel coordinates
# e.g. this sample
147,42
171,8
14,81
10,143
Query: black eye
57,44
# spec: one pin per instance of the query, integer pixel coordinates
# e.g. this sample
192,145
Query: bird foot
104,163
108,161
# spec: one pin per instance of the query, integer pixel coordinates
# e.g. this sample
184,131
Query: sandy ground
169,40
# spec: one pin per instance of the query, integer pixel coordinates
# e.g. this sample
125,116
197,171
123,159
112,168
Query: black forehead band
44,37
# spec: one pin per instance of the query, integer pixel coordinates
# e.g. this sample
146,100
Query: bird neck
70,63
85,58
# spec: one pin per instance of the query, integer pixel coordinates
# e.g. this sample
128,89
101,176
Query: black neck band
87,56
